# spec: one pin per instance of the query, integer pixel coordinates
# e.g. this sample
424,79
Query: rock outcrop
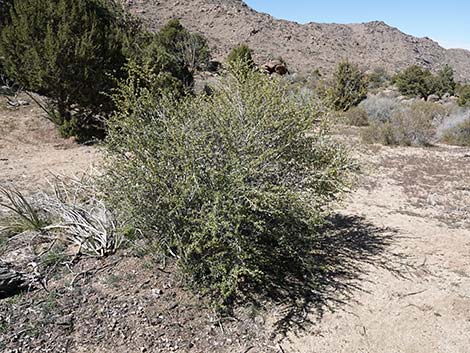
305,47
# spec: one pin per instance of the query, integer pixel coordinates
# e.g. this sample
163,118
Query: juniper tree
66,51
444,81
185,52
415,81
349,86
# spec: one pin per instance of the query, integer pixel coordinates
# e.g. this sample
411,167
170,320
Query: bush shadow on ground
347,248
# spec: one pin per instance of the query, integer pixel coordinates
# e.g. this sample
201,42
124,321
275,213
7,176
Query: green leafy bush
189,49
464,95
233,184
443,82
174,54
241,54
349,87
240,61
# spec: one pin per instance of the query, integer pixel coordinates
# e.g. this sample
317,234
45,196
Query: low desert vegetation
240,61
23,214
357,116
233,186
410,126
391,121
464,95
380,109
240,55
72,212
455,129
378,79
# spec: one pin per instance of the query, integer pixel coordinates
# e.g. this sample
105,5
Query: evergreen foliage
241,54
444,82
378,78
240,61
349,87
175,54
414,82
190,50
66,51
74,52
464,95
418,82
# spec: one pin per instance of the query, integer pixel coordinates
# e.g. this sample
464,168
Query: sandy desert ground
400,282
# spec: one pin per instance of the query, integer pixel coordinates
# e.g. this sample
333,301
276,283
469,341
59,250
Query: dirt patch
31,149
120,304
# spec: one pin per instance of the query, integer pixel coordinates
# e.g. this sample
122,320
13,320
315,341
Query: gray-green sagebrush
234,185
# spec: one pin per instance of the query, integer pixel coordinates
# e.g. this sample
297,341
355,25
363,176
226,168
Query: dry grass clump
356,116
73,211
381,109
405,124
83,217
23,214
455,129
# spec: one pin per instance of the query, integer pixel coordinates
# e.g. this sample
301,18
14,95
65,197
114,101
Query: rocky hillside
305,47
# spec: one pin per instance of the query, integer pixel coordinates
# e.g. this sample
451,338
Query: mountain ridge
305,47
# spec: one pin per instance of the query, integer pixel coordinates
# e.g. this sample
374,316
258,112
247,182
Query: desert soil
400,280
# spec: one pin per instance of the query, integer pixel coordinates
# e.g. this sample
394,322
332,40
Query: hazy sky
447,22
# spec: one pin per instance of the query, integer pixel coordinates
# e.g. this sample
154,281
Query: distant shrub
443,82
189,50
464,95
378,78
381,109
412,126
455,129
414,82
357,116
241,54
240,61
231,184
349,87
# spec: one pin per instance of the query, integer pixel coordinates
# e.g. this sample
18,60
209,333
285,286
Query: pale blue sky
447,22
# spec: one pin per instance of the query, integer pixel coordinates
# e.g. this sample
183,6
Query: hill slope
227,23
